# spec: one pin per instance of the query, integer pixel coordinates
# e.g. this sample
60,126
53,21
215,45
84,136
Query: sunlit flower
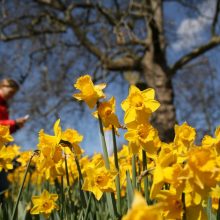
139,105
166,158
142,136
99,180
74,138
185,136
51,155
106,111
213,142
5,136
6,157
203,164
172,204
89,92
44,204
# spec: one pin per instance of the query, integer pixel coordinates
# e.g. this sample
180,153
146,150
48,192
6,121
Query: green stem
110,197
218,212
62,198
67,173
184,206
118,190
83,194
68,184
22,185
129,190
87,208
134,174
144,159
104,146
78,168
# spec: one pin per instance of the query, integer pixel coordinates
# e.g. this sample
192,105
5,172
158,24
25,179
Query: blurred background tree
169,45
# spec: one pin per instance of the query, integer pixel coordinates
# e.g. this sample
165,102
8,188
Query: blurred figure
8,88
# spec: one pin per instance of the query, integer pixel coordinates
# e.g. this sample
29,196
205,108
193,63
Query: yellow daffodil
185,136
106,111
46,140
166,158
5,136
74,138
139,105
202,162
50,159
172,204
141,211
215,195
90,93
6,158
142,136
99,180
49,145
44,204
176,176
203,173
209,141
7,155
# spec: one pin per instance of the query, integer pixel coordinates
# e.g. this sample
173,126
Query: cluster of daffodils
144,179
181,175
7,154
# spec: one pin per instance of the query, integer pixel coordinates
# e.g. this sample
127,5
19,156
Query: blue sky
190,30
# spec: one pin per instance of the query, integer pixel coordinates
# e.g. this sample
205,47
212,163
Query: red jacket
4,116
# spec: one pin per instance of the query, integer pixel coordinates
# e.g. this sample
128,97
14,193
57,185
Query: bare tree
120,36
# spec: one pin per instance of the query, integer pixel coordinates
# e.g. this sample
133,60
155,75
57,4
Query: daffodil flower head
99,180
106,111
50,151
185,133
5,136
204,165
213,142
89,92
6,158
74,138
142,136
44,204
185,136
172,205
139,104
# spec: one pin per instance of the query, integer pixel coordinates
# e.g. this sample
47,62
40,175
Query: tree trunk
156,72
157,77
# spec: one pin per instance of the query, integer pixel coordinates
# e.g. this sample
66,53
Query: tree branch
215,19
124,63
215,40
127,62
6,38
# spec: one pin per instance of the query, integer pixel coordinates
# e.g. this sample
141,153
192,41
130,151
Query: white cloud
190,32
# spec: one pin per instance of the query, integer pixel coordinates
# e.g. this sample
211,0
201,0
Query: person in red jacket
8,88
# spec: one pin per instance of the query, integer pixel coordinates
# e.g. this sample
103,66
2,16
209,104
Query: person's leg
4,184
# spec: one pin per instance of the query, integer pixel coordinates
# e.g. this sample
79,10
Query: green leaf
129,189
